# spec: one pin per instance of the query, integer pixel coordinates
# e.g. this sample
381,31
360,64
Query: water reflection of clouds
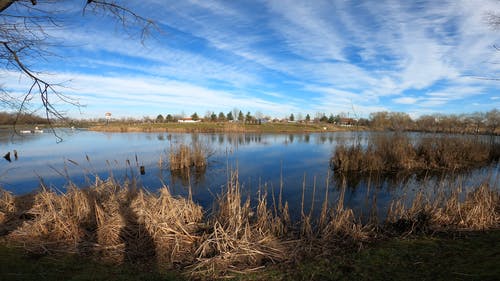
260,159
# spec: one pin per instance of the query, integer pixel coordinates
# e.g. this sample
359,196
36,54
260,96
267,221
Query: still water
265,162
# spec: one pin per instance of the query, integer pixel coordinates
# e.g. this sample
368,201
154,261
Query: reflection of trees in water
322,139
188,176
240,138
402,180
388,181
195,138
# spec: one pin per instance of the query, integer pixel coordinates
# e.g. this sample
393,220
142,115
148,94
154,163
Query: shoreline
121,224
222,128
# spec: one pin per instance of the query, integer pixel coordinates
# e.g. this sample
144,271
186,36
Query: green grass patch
467,256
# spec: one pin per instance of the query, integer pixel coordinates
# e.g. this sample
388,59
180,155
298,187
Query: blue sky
278,57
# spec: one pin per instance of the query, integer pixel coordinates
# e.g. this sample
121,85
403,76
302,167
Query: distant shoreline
222,128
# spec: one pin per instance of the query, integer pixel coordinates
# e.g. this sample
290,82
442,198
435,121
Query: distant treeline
468,123
7,118
471,123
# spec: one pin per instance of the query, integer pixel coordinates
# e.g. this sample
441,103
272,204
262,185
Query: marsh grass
240,239
114,222
184,157
397,152
445,210
122,223
7,205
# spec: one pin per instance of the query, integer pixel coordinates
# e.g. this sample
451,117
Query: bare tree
24,41
493,120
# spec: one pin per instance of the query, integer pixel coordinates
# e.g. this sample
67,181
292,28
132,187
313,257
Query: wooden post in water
15,155
7,156
142,170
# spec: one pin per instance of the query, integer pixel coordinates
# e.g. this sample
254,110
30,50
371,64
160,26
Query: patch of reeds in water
396,152
184,157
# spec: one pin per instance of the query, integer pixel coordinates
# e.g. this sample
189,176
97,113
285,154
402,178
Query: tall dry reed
116,222
445,210
239,240
124,223
185,157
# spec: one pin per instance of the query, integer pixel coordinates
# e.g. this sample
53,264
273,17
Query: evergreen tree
331,119
292,118
213,117
221,117
169,118
248,117
230,116
195,116
241,118
308,118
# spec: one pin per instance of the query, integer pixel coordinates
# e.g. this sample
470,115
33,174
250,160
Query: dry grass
123,223
174,224
342,224
184,157
239,239
396,152
118,223
480,210
7,205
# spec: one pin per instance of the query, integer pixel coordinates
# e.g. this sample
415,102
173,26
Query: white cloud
406,100
137,92
268,55
307,28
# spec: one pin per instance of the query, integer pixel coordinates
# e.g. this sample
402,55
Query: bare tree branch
123,15
4,4
24,40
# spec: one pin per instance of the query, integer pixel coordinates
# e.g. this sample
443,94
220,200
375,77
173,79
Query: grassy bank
212,127
122,224
445,256
450,256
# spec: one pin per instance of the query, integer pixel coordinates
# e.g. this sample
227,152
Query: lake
263,161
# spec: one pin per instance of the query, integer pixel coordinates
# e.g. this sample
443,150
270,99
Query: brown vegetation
396,152
445,210
121,223
20,119
113,222
185,157
238,239
471,123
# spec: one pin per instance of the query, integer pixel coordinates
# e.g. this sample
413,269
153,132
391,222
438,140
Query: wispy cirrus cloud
278,56
138,95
